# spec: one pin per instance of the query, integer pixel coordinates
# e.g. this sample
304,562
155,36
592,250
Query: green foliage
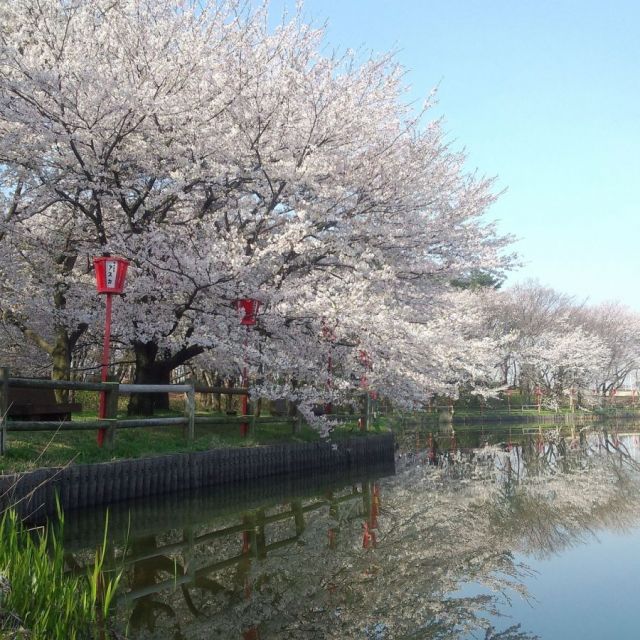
477,280
46,601
89,401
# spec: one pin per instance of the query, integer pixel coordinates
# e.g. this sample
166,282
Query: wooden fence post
298,516
190,412
4,408
261,540
296,423
255,406
187,554
364,418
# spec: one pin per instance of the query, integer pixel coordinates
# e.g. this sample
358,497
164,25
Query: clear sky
543,95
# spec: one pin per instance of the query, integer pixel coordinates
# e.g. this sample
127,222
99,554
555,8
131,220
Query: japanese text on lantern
112,272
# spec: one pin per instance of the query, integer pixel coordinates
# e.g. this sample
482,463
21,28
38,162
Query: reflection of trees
385,560
301,570
571,488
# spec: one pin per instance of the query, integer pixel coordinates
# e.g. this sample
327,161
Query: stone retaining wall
80,486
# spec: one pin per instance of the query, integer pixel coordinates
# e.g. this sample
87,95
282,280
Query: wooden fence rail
32,383
112,423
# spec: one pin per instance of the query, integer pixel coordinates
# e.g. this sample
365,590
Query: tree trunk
61,361
149,371
292,405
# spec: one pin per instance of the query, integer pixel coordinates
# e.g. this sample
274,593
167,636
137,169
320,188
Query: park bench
38,404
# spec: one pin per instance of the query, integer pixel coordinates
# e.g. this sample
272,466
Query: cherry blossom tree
229,160
518,316
544,341
618,327
563,361
38,276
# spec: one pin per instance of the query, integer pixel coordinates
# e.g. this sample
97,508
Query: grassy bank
31,450
38,600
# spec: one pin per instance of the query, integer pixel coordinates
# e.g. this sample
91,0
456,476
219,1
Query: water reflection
375,558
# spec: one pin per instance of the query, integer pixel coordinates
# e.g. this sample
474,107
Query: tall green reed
50,603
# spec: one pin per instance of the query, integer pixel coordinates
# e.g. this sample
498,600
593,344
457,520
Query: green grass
42,601
31,450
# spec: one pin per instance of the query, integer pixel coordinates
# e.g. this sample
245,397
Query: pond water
488,533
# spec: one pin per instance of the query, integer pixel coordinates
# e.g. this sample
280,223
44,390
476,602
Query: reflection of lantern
249,308
110,274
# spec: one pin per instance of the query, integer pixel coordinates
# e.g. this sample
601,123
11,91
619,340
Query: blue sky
543,95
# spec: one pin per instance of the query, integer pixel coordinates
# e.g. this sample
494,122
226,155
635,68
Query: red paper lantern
327,332
249,308
110,273
365,359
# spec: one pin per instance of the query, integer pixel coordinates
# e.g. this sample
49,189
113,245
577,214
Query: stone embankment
80,486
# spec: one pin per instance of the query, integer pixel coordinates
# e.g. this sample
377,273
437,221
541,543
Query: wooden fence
111,423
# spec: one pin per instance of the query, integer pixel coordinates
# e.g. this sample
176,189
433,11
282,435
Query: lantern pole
102,410
244,426
328,407
367,364
249,308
